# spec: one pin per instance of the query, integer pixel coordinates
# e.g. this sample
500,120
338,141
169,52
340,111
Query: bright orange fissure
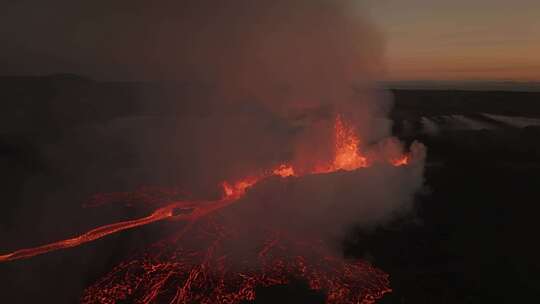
347,156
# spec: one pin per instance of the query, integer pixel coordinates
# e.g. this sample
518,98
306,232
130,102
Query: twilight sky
460,39
424,39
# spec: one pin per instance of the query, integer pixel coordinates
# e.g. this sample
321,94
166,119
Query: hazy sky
424,39
460,39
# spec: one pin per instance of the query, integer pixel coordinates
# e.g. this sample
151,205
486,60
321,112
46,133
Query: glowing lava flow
347,154
198,270
198,209
401,161
232,192
347,157
284,171
89,236
189,274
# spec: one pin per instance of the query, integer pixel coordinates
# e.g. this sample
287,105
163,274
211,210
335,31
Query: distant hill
464,85
52,77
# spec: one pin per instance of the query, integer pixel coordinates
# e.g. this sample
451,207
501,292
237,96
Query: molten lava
284,171
348,155
347,150
200,270
401,161
196,267
237,189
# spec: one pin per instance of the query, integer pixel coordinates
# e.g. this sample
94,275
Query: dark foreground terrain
472,238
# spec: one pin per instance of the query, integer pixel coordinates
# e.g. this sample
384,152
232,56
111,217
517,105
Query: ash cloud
324,207
279,73
245,85
295,63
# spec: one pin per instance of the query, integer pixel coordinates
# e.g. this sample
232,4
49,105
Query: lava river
202,263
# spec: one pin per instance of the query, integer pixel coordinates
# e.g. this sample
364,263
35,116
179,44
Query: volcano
220,254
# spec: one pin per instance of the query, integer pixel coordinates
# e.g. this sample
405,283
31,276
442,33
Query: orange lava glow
197,276
284,171
190,275
401,161
237,189
347,153
347,157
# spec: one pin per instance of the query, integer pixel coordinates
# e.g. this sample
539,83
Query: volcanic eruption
195,262
309,65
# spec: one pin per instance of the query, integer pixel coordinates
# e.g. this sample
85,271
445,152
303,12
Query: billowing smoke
245,85
271,76
276,75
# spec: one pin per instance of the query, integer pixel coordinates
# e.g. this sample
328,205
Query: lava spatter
196,267
201,271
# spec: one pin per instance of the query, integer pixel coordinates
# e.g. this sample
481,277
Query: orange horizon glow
485,40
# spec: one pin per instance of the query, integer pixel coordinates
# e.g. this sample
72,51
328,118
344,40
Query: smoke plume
275,75
244,85
248,85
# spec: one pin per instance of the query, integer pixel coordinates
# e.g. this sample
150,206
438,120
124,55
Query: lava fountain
197,264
